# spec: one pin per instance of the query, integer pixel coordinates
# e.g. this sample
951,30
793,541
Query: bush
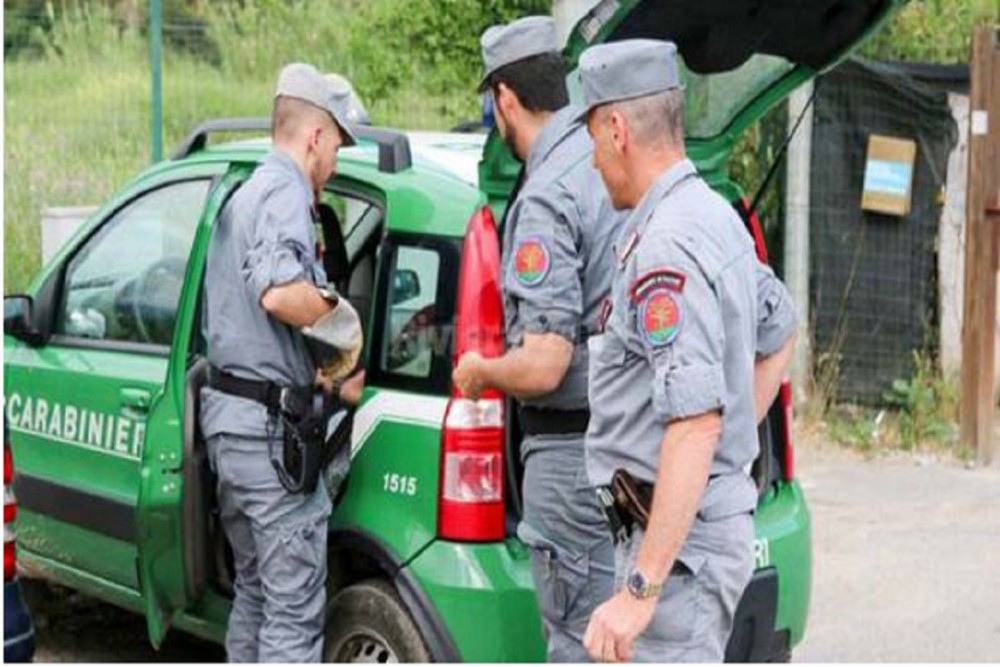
934,31
78,109
28,25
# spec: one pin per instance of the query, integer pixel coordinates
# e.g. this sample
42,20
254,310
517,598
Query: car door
78,404
171,512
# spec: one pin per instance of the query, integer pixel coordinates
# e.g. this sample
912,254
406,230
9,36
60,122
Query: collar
641,214
559,126
280,161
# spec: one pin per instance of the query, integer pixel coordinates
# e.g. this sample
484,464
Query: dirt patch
71,627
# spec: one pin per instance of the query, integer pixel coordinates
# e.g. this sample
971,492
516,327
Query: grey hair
656,120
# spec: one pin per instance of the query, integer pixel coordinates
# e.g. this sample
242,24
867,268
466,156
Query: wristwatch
640,587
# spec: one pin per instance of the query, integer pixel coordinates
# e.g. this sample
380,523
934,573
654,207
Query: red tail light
788,464
9,515
753,221
472,454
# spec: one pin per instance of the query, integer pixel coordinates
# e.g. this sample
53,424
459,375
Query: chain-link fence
873,276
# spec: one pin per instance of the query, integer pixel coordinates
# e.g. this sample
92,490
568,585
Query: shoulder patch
667,279
532,260
660,317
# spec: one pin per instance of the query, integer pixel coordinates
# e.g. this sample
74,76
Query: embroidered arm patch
532,261
654,280
661,315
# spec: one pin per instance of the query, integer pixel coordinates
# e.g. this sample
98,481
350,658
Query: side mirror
17,320
406,285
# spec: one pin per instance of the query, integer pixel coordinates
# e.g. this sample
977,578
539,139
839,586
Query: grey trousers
694,616
572,555
279,546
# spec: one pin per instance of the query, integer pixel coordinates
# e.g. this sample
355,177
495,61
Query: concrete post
797,233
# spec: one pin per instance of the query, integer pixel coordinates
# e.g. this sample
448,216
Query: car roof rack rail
393,147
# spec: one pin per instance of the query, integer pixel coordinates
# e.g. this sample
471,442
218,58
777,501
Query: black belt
265,392
547,421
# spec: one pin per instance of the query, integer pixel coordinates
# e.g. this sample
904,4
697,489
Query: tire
367,622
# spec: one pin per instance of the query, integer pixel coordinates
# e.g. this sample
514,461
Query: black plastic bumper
754,638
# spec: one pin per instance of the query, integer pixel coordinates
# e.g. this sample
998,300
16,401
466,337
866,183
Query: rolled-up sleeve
679,320
776,316
545,278
281,246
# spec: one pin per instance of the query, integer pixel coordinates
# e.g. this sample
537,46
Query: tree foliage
933,31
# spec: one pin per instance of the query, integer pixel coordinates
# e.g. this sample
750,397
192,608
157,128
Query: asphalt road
906,561
906,568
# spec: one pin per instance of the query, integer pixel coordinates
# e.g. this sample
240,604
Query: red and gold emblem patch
660,317
531,261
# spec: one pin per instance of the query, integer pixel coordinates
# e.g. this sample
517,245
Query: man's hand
468,376
351,389
615,625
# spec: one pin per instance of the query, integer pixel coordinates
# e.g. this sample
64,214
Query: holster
633,498
306,446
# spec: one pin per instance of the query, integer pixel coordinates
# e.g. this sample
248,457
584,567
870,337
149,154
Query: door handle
135,400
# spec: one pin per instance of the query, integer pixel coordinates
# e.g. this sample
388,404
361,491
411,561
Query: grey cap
626,70
357,114
304,82
523,38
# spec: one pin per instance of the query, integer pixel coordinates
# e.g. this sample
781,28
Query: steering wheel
157,289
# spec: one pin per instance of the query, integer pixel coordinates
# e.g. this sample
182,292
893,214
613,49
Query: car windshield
712,101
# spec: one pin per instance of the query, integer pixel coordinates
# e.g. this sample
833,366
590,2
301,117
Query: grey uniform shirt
691,309
264,238
556,264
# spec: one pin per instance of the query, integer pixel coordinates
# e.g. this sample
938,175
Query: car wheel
367,622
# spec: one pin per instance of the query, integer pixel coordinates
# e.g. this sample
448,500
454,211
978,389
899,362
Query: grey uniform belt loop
547,421
262,391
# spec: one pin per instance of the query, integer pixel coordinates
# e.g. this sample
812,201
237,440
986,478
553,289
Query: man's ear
314,134
619,131
506,100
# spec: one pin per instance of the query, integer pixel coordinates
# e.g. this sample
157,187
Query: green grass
78,119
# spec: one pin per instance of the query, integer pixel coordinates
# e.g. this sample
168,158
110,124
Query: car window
350,210
712,101
125,282
410,347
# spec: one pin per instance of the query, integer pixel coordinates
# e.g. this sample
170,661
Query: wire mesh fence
873,276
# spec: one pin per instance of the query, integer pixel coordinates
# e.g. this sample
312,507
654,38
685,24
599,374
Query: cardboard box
889,175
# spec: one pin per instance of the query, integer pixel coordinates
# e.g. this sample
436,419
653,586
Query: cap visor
584,113
484,85
350,139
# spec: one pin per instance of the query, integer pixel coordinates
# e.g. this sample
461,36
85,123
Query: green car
105,356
